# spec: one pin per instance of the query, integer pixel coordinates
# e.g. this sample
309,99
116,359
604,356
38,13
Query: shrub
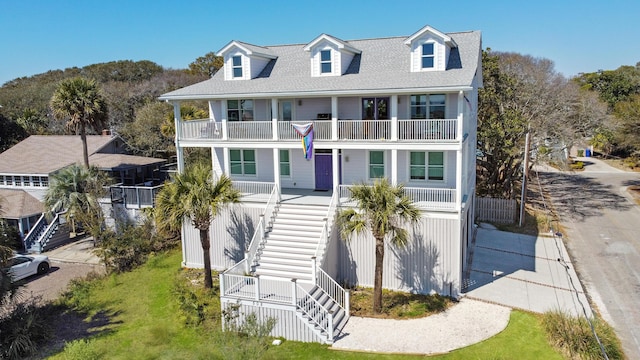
23,326
580,152
78,293
577,165
573,336
199,306
246,337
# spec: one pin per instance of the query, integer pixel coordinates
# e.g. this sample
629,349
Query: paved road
601,224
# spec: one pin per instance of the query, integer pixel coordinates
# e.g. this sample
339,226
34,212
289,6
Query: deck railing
333,289
258,239
254,187
406,130
424,198
135,196
428,129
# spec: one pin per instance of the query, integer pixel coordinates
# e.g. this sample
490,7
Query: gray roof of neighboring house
17,204
383,65
44,154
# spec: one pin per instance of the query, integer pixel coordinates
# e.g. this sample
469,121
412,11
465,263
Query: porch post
460,115
394,117
225,160
276,168
394,167
178,124
459,166
294,291
274,118
334,119
223,107
335,164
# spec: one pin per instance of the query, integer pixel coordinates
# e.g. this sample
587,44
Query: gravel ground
464,324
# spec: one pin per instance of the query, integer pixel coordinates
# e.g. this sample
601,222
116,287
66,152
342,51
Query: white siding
228,65
231,231
302,171
404,106
345,61
354,166
215,108
288,325
257,65
349,108
439,49
431,262
261,110
217,160
315,59
449,169
311,107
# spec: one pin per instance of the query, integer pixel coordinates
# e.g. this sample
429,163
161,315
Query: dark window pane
427,49
237,61
376,157
232,104
233,115
236,168
427,62
249,155
237,72
285,169
436,173
325,67
284,155
249,168
325,55
436,158
376,171
417,158
417,173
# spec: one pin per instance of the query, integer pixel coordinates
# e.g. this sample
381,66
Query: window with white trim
325,61
428,56
431,106
427,166
242,162
285,163
240,110
376,164
236,66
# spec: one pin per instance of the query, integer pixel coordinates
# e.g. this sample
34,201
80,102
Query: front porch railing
404,130
424,198
135,196
266,219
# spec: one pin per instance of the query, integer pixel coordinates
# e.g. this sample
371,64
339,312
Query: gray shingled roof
43,154
17,204
382,66
121,161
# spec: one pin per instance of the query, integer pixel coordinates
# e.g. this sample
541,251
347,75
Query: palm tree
76,189
197,195
382,209
79,102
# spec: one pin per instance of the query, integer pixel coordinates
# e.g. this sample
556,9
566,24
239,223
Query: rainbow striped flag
306,131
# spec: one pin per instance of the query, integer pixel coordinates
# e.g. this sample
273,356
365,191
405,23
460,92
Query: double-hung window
418,106
243,162
376,164
428,56
325,61
236,66
426,165
285,163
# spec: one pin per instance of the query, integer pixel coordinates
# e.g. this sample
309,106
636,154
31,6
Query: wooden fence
503,211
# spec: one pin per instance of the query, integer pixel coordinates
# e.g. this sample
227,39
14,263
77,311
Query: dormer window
237,66
325,61
427,56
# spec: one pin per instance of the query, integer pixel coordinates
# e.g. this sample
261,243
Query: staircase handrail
34,233
326,228
44,238
324,315
258,236
331,287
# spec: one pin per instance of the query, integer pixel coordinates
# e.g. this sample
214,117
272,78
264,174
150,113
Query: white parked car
23,266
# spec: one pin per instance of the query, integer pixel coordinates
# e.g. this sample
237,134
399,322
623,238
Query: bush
23,327
246,336
580,152
573,336
199,306
577,165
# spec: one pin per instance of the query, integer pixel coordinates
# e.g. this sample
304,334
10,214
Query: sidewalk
79,252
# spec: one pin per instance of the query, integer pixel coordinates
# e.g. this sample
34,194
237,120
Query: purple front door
324,171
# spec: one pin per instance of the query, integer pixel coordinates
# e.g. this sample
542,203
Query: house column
394,167
335,164
276,169
177,119
274,119
225,160
334,120
459,164
394,117
223,110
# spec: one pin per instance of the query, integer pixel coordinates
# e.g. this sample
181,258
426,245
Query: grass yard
136,316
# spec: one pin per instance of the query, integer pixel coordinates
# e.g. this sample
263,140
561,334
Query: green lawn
136,317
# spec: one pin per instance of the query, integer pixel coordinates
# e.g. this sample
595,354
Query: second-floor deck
432,130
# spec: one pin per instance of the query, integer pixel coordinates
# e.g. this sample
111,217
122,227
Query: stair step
295,241
300,227
302,262
304,269
316,213
290,255
284,274
299,222
294,237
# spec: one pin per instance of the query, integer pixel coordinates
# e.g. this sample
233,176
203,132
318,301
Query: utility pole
525,171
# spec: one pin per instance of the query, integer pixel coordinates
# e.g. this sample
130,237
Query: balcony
134,197
430,130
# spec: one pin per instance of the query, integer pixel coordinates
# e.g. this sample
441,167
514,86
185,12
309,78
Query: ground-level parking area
524,272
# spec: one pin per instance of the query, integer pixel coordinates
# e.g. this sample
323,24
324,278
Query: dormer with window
430,49
244,61
330,56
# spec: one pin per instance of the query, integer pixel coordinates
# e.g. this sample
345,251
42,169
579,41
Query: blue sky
37,36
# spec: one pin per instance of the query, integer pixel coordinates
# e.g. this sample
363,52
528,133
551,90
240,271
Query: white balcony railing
437,130
423,198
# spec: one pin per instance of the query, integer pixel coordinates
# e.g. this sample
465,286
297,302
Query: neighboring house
403,108
27,167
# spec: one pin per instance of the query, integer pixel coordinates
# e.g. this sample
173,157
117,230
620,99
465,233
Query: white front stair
292,242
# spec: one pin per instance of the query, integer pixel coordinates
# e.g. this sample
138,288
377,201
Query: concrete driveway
524,272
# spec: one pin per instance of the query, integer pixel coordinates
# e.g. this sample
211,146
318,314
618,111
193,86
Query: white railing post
222,289
313,269
347,301
257,287
247,262
330,327
294,292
